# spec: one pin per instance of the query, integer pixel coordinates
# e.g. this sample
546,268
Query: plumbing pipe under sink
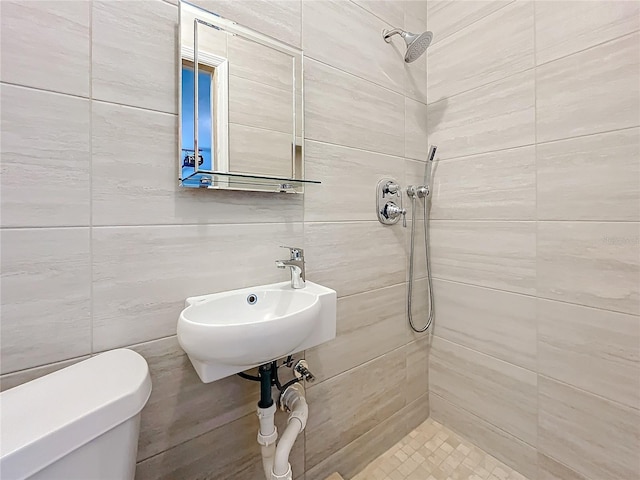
275,459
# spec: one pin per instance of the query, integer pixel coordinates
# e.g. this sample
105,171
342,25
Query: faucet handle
297,253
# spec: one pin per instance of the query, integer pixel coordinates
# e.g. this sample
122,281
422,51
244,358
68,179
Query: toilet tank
81,422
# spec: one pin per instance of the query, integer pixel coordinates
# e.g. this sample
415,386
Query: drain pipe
275,459
267,433
293,401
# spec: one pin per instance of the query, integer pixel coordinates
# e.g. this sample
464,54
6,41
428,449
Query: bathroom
531,366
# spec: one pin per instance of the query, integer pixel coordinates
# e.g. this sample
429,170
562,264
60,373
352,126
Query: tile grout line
91,267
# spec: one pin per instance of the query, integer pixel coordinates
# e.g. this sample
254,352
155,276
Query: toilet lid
45,419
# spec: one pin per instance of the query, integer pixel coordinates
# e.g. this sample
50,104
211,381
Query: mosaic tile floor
433,452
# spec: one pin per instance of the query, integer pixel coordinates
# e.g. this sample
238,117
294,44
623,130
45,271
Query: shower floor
433,452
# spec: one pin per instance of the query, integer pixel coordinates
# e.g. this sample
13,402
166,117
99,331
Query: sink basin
229,332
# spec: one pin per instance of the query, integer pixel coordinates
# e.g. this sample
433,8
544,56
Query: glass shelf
241,181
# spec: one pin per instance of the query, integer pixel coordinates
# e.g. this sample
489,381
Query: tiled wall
100,246
536,234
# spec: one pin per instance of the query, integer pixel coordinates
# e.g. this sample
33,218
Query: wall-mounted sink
229,332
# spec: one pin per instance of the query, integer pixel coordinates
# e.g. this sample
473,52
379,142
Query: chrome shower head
417,44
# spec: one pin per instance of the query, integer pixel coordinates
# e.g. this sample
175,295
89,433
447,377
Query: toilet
81,422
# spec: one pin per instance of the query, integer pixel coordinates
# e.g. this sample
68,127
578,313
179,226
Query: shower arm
387,34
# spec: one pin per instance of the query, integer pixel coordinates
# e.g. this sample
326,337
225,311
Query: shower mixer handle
392,211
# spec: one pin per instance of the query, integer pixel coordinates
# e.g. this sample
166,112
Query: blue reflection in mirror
205,128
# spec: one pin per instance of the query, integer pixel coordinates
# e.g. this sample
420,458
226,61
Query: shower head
417,43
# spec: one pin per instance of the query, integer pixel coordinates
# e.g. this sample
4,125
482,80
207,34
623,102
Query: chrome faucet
296,264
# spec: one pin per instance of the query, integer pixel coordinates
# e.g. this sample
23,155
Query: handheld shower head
417,44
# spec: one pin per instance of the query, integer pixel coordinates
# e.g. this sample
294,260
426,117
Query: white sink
226,333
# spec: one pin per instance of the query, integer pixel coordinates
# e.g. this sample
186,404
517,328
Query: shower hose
426,252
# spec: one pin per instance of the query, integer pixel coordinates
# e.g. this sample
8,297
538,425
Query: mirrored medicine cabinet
241,107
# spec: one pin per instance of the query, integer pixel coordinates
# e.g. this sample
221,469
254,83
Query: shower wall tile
596,177
590,263
349,405
590,92
417,357
45,158
415,15
45,283
359,52
500,324
354,257
497,116
504,446
280,19
356,455
446,17
496,391
369,324
141,275
492,186
549,469
566,27
415,129
578,429
46,45
478,55
349,176
349,111
134,52
391,11
181,407
499,255
609,343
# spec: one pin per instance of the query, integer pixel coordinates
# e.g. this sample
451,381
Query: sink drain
252,299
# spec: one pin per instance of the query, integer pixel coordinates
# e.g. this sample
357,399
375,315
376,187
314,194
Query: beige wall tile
590,178
500,324
229,452
134,52
597,350
356,455
446,17
498,392
549,469
592,91
46,45
46,313
45,158
512,451
417,382
349,176
181,407
360,51
280,19
493,186
415,129
499,255
415,15
565,27
258,151
11,380
391,11
259,105
579,429
130,145
369,324
478,54
588,263
354,257
349,405
346,110
493,117
141,275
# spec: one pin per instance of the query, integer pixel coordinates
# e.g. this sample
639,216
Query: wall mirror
241,107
